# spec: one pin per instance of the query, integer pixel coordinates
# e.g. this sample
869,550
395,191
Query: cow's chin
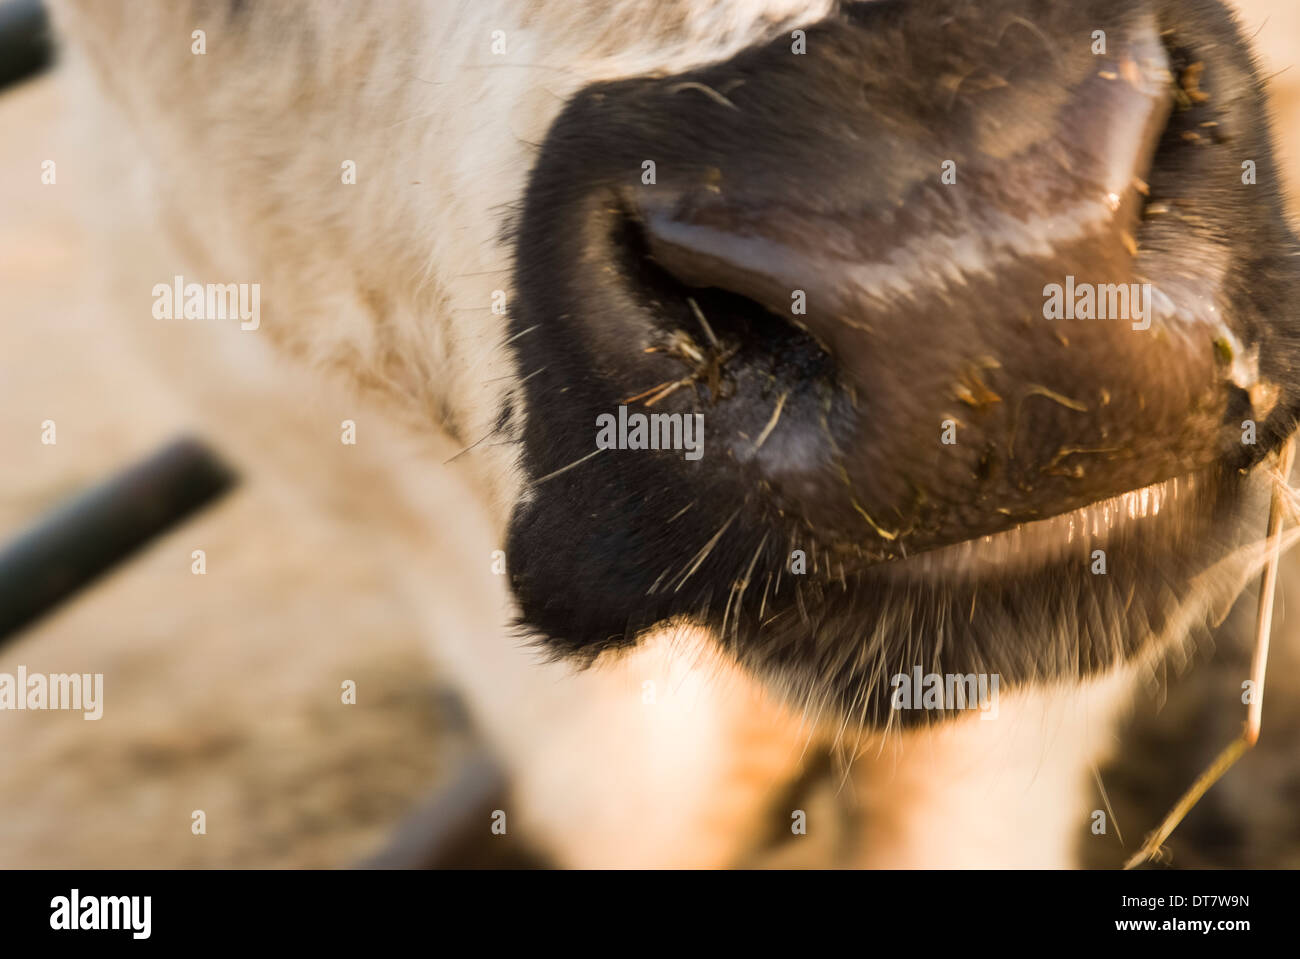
1062,599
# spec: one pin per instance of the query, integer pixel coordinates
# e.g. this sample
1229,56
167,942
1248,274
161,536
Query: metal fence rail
81,540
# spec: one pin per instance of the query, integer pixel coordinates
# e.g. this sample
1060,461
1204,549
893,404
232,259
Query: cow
934,528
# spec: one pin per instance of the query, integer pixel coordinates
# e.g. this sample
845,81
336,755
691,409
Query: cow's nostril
728,258
721,309
853,252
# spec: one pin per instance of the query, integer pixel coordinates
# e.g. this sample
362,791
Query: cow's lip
1072,536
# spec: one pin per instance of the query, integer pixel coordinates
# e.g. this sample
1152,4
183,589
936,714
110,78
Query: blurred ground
223,690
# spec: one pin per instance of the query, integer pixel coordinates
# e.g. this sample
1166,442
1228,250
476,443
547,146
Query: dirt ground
223,690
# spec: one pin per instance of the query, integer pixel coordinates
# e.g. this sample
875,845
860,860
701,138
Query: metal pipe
78,542
25,46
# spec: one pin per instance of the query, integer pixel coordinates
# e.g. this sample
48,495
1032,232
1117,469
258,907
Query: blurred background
222,691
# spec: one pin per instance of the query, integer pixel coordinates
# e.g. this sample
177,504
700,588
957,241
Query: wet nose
913,259
961,238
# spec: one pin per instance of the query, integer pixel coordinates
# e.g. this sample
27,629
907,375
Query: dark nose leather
918,183
930,296
891,255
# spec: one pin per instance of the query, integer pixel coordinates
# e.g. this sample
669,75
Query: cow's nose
914,265
967,255
927,243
